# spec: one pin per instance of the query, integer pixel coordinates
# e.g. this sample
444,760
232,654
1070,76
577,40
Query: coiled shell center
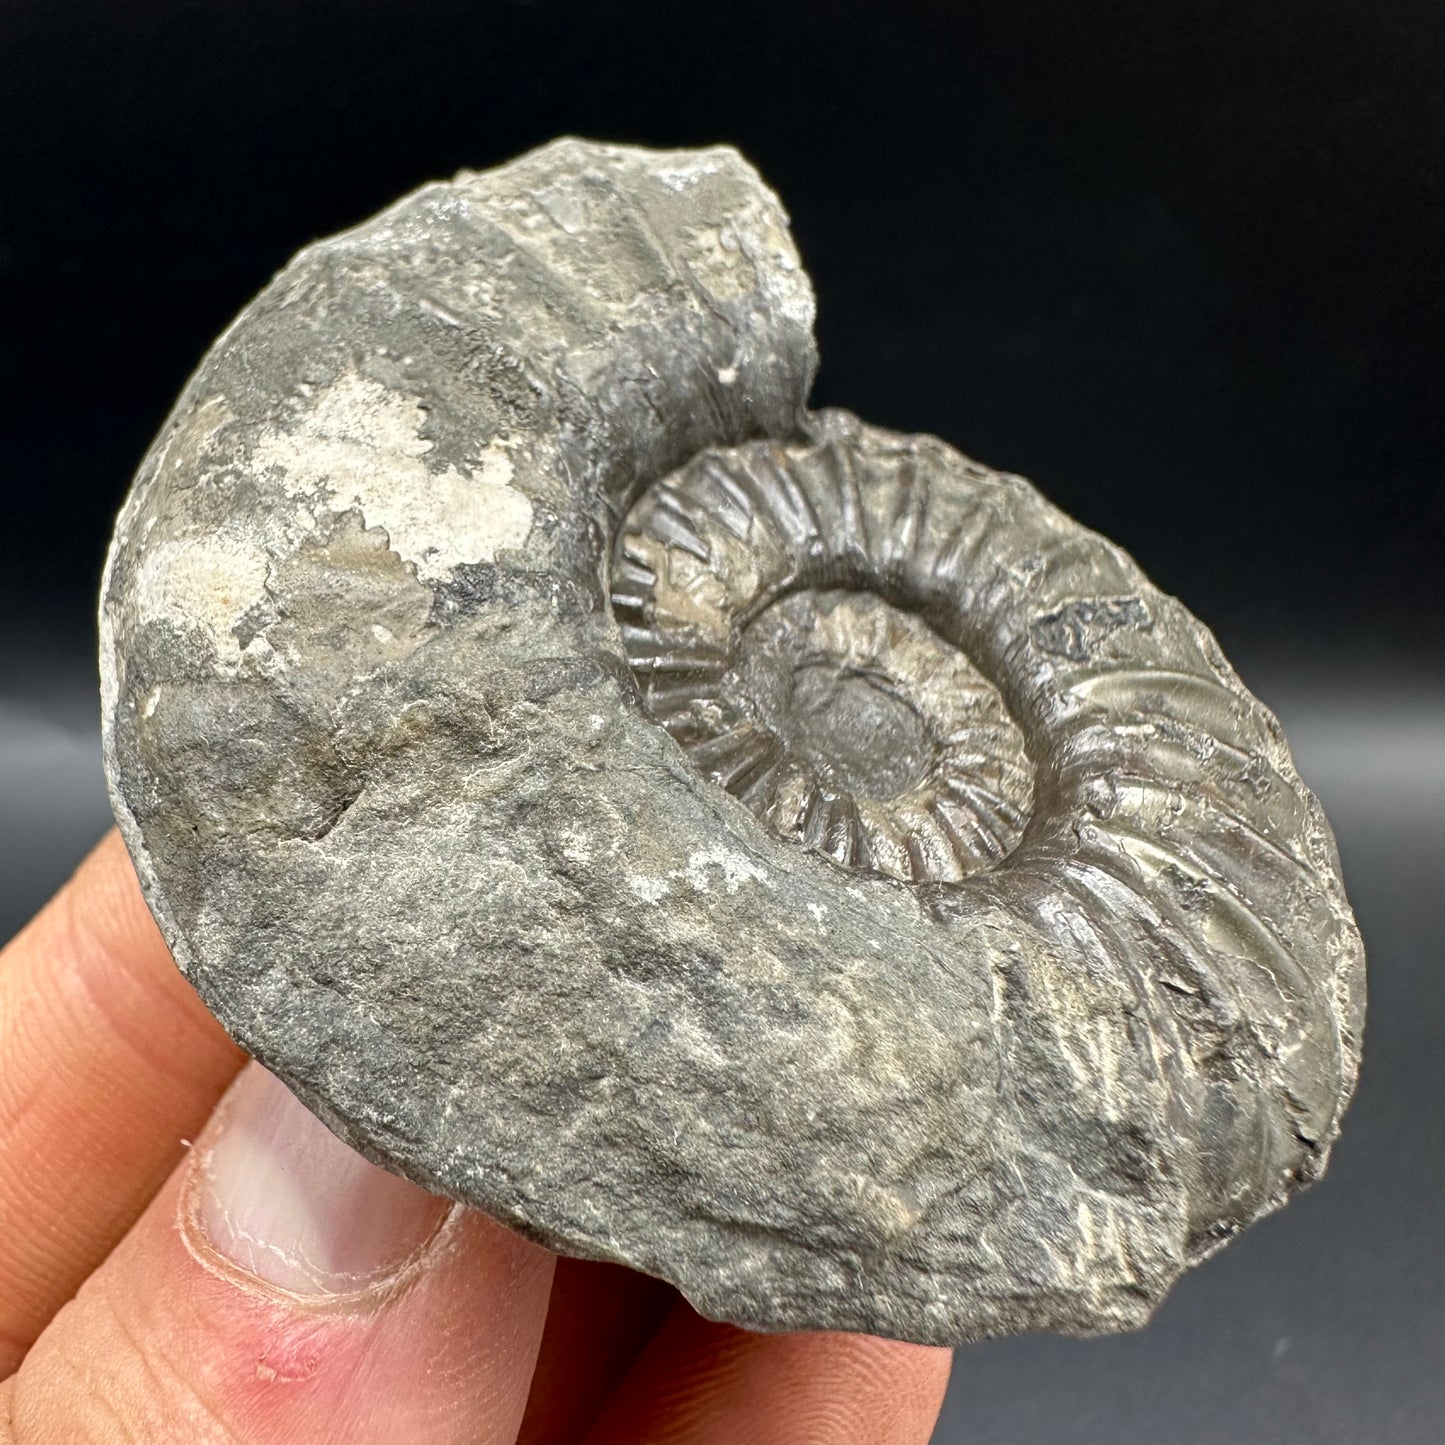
839,716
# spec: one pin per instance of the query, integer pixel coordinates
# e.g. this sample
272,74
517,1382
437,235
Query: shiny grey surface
1327,1323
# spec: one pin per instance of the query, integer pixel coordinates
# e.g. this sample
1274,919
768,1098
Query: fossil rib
781,855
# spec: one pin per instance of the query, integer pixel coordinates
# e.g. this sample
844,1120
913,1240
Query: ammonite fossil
781,855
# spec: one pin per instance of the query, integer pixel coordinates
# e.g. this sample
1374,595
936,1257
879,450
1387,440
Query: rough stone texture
817,872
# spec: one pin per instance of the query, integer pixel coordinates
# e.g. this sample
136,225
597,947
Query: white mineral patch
682,177
206,582
735,868
650,890
566,206
358,446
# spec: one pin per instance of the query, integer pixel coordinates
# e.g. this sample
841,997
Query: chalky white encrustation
778,854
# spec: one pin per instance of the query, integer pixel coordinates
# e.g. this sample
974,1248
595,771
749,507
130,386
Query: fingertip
113,951
703,1383
107,880
108,1060
290,1291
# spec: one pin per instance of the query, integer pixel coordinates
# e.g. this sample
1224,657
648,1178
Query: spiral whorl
753,587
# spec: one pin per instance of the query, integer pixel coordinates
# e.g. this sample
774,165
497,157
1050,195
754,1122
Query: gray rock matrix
780,855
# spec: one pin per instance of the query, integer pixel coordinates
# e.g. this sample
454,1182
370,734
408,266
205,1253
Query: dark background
1180,261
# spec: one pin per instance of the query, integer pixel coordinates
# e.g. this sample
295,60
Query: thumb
281,1288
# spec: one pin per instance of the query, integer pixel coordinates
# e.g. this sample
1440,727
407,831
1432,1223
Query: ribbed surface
749,586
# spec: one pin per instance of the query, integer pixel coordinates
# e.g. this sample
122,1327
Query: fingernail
281,1197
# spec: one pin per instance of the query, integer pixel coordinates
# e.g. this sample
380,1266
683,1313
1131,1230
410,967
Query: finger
107,1061
701,1383
600,1317
281,1289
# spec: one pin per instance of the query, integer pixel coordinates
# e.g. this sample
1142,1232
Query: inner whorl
770,608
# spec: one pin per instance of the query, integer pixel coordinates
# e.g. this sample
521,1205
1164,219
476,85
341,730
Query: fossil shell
778,854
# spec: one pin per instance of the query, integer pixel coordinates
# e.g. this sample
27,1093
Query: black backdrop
1180,261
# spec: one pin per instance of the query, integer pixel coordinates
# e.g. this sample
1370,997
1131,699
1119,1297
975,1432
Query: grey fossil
784,856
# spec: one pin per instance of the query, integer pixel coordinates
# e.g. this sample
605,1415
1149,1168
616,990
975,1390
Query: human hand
269,1285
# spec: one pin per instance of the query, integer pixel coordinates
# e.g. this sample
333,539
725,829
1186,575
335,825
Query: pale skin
143,1298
